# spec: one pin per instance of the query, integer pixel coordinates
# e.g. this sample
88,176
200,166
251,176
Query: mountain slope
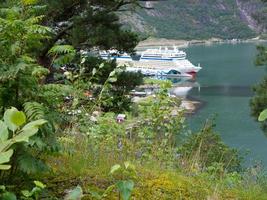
200,19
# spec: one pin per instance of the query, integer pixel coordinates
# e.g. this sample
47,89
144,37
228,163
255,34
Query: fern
38,29
61,49
56,89
62,54
35,20
34,110
5,76
29,164
45,141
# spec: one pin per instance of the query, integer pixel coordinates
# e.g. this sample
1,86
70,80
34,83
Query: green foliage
34,193
21,36
124,187
94,143
13,120
203,150
261,58
191,20
259,102
62,54
5,195
263,116
109,83
86,31
26,194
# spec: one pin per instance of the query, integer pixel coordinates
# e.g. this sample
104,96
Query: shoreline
189,104
154,42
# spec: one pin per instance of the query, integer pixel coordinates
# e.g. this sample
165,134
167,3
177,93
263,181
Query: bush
204,149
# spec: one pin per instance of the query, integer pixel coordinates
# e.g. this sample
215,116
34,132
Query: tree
21,36
86,24
21,78
259,102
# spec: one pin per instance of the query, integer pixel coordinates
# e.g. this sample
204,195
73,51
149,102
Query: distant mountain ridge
200,19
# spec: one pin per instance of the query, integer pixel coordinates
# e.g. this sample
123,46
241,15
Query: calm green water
226,79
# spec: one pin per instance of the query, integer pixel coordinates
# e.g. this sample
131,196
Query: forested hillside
200,19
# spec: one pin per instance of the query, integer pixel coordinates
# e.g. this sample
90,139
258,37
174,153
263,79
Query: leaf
61,49
112,74
29,130
127,164
25,135
18,118
30,164
5,145
101,65
95,195
94,71
125,188
112,80
5,167
14,118
39,184
115,168
34,124
75,194
8,196
5,156
26,193
2,187
83,60
263,116
3,132
108,190
8,119
15,48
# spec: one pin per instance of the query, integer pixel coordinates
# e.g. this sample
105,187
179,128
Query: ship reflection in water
182,86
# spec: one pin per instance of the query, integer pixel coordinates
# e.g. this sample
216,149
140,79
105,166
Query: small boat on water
114,54
156,62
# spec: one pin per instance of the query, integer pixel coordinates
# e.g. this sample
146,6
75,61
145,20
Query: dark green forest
201,19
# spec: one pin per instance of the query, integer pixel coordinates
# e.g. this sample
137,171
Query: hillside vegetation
200,19
70,130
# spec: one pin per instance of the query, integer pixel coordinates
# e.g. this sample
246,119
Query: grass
152,182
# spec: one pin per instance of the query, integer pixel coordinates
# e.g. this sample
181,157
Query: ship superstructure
156,62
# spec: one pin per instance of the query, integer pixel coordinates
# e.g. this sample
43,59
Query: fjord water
226,80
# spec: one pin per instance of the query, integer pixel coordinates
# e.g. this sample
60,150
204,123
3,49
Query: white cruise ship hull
181,68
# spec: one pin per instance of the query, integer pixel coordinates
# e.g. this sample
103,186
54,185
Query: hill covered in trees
200,19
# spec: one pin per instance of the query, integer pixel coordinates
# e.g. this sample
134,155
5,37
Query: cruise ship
156,62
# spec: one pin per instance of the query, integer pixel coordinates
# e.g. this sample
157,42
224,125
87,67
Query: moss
169,185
